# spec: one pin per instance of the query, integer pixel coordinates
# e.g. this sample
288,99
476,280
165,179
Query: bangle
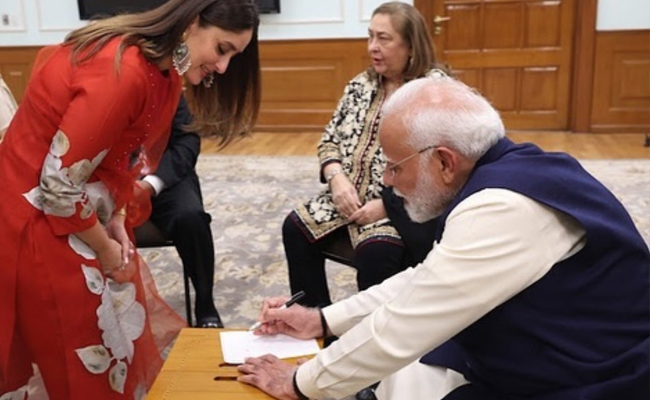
323,323
300,395
332,174
121,211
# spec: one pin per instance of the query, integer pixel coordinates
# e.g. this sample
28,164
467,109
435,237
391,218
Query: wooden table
191,367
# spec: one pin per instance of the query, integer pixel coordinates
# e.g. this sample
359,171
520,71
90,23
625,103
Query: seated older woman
352,163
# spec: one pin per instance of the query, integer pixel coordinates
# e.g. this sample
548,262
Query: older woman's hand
370,212
344,195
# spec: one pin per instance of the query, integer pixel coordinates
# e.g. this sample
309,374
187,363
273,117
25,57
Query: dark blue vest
581,331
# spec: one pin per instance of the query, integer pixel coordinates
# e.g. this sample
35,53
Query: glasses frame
393,168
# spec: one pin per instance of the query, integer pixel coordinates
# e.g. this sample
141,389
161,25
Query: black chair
148,235
340,251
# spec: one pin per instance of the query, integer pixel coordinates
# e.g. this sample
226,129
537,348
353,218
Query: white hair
443,111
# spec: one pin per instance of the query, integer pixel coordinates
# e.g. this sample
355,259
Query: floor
580,145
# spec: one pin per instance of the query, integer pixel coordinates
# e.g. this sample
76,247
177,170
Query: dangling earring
208,80
181,58
410,61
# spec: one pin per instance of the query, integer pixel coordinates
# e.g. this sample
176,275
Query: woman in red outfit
79,316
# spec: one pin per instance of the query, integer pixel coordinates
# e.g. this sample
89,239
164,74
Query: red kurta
80,138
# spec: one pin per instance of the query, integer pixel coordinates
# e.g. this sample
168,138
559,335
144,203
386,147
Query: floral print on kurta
60,188
120,316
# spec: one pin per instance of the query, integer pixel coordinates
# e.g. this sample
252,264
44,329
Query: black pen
289,303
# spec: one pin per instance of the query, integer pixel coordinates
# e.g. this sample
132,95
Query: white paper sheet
237,345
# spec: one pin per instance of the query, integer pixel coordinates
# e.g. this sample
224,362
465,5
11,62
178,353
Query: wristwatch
332,174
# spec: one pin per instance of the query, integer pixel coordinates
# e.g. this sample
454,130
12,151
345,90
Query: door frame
582,73
584,55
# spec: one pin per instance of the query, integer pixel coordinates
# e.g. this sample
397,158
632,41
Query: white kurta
496,243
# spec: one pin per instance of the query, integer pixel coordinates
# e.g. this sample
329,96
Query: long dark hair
229,108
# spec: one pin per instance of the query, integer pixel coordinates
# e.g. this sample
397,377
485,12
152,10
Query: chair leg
188,300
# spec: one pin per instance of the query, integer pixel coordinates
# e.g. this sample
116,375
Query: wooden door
517,53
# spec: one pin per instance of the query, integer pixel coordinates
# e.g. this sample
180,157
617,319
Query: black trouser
178,212
373,260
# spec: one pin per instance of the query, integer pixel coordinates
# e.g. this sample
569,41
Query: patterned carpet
248,198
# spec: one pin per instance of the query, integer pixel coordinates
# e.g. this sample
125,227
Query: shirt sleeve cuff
155,182
305,380
296,389
335,315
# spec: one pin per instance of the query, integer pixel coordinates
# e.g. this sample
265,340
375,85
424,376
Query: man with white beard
537,284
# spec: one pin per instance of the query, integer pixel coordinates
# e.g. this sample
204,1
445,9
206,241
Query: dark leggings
374,261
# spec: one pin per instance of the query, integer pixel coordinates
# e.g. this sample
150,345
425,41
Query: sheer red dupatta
164,322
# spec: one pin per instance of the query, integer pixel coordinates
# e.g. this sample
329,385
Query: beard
428,201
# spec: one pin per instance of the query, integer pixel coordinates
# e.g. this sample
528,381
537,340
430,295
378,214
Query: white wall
41,22
300,19
623,15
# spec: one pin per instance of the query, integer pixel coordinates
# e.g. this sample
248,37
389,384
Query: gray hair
442,111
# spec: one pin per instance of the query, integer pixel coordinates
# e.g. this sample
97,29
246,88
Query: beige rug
249,197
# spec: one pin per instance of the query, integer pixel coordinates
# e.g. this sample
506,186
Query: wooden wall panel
500,86
621,94
465,36
16,68
502,26
471,77
539,89
302,81
276,87
526,97
543,28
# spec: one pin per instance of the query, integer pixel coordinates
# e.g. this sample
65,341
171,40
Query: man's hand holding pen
296,321
294,299
280,315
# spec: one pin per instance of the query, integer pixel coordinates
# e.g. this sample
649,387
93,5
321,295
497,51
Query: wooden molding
583,65
425,7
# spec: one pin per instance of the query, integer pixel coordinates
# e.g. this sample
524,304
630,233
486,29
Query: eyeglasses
392,169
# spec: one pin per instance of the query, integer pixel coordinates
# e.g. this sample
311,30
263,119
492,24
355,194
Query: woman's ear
192,27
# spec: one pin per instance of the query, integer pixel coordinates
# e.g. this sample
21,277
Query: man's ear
449,163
